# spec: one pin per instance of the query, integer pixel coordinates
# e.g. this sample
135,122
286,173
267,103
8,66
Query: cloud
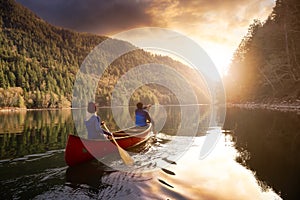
217,25
209,19
96,16
104,17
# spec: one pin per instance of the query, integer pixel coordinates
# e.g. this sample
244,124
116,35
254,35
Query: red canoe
80,150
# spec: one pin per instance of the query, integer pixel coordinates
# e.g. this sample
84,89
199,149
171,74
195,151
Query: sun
220,54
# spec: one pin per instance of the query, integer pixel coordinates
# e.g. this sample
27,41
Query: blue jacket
141,117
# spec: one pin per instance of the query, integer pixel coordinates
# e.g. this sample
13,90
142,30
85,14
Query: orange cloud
209,19
218,26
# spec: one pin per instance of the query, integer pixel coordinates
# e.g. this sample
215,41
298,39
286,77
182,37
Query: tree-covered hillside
39,62
266,65
39,58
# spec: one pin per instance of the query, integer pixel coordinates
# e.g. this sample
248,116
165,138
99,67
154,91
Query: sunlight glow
221,56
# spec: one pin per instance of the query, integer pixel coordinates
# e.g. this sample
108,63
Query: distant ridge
40,61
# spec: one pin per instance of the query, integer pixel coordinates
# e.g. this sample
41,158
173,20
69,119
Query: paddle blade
125,156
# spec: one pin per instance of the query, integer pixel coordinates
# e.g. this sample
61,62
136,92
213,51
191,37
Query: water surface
32,161
270,142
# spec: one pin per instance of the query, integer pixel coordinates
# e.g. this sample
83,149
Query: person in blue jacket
93,124
141,115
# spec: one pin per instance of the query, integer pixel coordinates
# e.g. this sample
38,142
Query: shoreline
283,107
16,109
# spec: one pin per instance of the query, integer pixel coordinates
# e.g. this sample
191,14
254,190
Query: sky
218,26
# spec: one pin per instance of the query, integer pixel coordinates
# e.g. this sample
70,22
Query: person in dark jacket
93,124
141,115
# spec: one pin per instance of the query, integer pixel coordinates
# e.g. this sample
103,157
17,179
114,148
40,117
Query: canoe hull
79,150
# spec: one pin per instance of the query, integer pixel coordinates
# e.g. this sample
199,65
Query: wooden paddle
124,155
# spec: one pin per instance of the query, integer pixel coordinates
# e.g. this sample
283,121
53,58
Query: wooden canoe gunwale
121,137
133,135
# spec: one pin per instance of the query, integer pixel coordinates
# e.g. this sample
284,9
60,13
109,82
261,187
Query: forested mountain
266,66
39,62
40,59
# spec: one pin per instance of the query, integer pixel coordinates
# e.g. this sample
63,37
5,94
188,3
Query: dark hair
139,105
92,107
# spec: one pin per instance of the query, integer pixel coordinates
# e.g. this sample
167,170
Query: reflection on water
31,132
43,174
272,140
218,176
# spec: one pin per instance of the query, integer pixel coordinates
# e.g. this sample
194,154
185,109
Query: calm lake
257,157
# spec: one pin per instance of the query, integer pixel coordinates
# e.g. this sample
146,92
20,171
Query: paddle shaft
124,155
112,136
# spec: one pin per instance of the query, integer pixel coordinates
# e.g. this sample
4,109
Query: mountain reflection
23,133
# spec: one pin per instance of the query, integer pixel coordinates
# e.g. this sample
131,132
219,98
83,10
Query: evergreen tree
266,66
